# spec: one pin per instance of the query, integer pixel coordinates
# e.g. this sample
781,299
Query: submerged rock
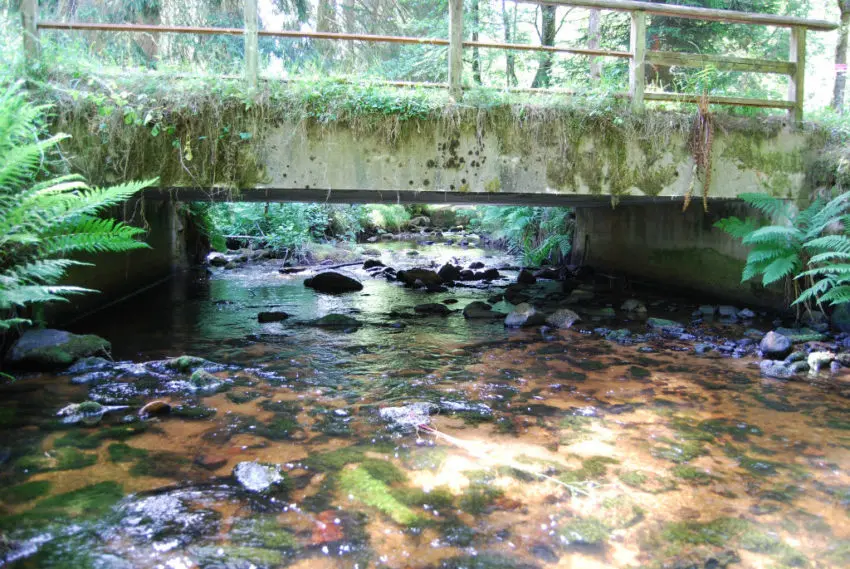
87,412
478,310
563,318
155,408
336,321
775,345
257,477
52,349
90,364
433,309
331,282
840,318
272,316
665,326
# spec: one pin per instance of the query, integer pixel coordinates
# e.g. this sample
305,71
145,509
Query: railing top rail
694,13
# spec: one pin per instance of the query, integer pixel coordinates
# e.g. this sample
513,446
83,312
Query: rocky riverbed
429,406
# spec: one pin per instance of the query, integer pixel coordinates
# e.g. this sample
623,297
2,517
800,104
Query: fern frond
770,206
773,234
837,243
837,295
781,268
736,227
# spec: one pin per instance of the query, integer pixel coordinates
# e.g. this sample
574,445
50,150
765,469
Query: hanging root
701,142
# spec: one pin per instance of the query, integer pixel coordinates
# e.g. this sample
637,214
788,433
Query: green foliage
388,217
46,220
809,249
537,233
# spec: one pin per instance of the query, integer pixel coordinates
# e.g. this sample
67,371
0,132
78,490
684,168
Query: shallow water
547,448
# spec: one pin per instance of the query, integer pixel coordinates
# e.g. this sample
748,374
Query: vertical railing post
455,49
637,64
32,43
797,82
251,43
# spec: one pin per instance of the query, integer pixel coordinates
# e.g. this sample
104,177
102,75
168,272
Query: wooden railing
638,55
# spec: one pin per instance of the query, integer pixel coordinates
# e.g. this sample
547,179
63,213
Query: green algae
633,478
639,372
593,468
121,452
88,502
192,412
26,492
678,452
383,470
439,498
621,512
83,439
478,497
162,464
359,485
185,364
263,532
691,474
584,531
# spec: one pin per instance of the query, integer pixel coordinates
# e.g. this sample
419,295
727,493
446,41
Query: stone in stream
372,264
331,282
272,316
476,265
257,477
54,349
217,259
775,345
776,369
634,306
801,335
408,416
523,315
448,273
88,365
478,310
563,318
817,360
420,277
87,412
526,277
840,318
155,408
665,326
336,321
432,309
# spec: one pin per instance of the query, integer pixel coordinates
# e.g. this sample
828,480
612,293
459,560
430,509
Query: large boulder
448,273
523,314
775,346
425,277
420,221
563,318
53,349
217,259
331,282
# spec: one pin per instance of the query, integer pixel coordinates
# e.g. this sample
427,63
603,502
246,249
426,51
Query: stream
408,439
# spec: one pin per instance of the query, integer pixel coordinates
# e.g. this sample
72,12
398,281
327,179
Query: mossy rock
358,484
185,364
335,460
440,499
54,349
192,412
203,380
162,465
383,470
633,478
242,397
237,556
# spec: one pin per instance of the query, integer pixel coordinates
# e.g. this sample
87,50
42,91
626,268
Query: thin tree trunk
476,56
593,43
547,32
510,58
841,57
326,22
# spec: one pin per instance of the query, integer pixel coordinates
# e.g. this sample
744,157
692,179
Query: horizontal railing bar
720,100
690,12
143,28
553,49
721,62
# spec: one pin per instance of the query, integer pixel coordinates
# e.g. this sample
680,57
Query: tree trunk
326,22
593,43
841,57
510,58
476,56
547,31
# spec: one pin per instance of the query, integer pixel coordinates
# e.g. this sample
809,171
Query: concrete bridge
627,171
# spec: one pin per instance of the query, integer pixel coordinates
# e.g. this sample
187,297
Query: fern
43,221
809,249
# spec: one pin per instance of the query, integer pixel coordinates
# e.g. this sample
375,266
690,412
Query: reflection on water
555,449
